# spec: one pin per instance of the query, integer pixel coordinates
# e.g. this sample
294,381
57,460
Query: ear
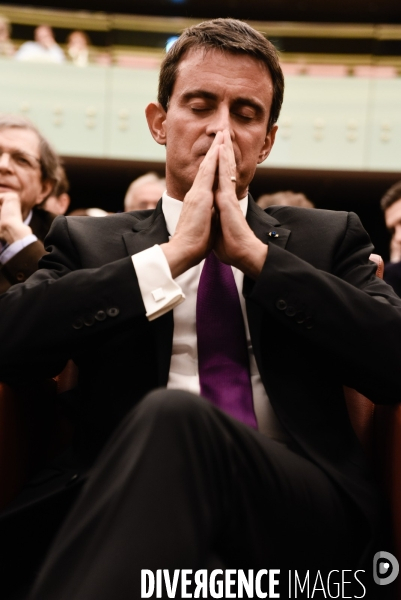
64,202
156,118
47,186
268,144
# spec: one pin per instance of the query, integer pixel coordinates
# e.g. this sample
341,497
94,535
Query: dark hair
391,196
227,35
49,159
62,184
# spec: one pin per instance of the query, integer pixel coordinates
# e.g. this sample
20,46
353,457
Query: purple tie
222,350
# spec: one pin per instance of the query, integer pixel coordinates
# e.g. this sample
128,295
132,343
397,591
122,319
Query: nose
219,120
5,162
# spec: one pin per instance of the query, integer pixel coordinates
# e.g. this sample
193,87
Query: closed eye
200,108
244,116
21,159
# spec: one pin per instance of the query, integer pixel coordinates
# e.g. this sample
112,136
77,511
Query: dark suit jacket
23,264
317,316
392,276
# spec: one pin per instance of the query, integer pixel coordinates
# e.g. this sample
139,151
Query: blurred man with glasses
28,172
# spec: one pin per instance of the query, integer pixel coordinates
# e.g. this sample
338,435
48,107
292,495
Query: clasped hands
12,227
211,218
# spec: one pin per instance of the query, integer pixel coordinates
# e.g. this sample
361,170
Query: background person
78,43
59,199
28,171
391,206
145,192
286,198
7,48
43,49
89,212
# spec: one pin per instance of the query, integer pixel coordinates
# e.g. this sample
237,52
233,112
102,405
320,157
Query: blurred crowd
44,47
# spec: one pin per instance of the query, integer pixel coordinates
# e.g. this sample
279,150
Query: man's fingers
227,171
229,144
227,165
10,206
208,167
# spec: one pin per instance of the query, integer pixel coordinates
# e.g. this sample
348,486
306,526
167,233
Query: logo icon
385,568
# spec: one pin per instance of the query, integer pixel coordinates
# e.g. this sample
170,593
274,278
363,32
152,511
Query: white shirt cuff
160,293
16,247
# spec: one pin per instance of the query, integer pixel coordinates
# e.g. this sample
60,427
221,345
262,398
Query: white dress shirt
161,293
35,52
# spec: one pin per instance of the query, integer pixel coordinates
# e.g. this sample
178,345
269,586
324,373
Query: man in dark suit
268,475
27,175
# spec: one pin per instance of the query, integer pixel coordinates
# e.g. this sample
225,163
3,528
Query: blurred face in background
144,197
77,40
44,36
392,216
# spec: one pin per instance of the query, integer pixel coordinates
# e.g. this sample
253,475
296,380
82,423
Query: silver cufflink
158,294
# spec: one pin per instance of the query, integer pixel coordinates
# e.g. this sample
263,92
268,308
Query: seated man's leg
181,481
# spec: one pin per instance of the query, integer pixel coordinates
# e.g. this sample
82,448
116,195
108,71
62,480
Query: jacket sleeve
348,313
63,307
24,263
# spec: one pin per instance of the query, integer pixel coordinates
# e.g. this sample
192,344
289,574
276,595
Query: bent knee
173,403
166,410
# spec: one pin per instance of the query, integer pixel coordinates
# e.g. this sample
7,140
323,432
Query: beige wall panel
384,140
344,123
129,136
66,103
323,124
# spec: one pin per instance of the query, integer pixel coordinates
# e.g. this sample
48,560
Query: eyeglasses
21,160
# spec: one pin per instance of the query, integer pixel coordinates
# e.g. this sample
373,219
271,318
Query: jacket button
78,324
72,479
89,320
100,315
20,276
290,311
300,318
281,304
113,312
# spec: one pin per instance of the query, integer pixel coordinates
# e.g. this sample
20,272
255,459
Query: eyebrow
241,101
18,151
199,94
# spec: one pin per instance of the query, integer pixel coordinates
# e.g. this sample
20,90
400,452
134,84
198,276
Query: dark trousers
181,485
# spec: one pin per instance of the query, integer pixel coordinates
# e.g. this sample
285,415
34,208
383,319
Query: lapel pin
273,234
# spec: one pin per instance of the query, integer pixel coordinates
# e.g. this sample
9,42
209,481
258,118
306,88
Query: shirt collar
172,211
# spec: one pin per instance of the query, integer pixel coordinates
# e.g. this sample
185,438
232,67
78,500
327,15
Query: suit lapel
265,226
41,222
146,233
